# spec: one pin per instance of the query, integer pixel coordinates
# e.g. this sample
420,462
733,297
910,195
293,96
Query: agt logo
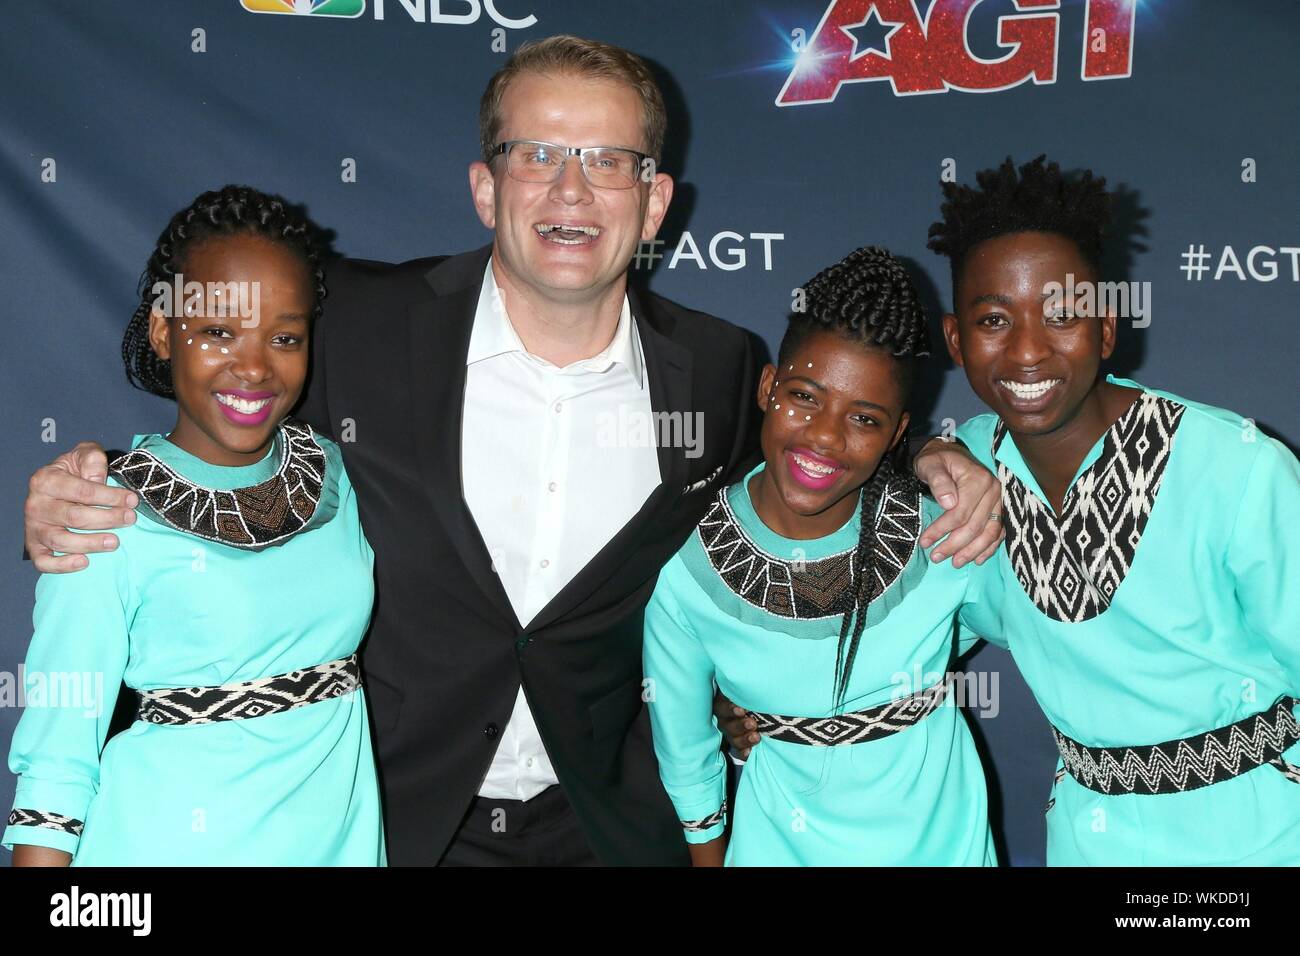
931,54
465,11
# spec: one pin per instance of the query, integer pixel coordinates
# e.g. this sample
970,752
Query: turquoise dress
1163,602
721,613
168,609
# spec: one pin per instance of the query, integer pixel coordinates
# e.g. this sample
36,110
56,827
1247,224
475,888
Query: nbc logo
320,8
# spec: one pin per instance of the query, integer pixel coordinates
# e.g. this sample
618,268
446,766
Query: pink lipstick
245,408
811,469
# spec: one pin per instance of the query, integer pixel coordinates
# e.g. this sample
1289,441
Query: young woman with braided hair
806,597
234,603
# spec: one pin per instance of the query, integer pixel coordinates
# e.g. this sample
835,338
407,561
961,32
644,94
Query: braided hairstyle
231,210
867,298
1036,198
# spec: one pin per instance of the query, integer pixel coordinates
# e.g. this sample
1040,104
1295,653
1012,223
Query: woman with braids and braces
234,603
806,597
1150,571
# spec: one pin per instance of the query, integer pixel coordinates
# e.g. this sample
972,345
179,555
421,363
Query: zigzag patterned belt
856,727
1190,763
251,698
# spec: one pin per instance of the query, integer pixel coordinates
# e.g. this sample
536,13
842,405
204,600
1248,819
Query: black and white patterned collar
808,590
253,517
1070,565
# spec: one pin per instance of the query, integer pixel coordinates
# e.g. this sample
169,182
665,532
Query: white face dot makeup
182,326
791,412
778,406
204,346
807,418
810,364
189,341
225,351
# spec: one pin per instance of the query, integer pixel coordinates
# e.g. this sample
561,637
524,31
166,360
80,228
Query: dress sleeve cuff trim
712,820
46,819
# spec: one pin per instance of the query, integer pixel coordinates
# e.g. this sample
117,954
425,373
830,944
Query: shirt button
546,563
530,761
552,486
558,406
491,731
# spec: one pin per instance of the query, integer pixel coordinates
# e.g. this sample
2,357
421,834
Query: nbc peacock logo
316,8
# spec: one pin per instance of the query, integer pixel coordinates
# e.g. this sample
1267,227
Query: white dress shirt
554,461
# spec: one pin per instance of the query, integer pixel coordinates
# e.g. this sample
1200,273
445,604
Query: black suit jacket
445,654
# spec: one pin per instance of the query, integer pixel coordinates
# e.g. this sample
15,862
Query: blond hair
575,56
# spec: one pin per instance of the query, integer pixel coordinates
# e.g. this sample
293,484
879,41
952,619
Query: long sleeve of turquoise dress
917,797
1263,558
686,734
168,609
74,667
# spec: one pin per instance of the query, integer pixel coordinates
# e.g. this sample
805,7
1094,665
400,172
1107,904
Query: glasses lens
534,162
612,168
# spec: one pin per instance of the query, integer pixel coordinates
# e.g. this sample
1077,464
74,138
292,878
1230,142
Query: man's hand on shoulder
68,493
971,498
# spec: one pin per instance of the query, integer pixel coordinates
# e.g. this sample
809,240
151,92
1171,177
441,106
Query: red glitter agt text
931,55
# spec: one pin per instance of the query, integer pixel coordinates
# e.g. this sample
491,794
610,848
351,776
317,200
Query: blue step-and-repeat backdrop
798,131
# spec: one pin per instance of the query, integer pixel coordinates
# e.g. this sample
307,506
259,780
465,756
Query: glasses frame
503,148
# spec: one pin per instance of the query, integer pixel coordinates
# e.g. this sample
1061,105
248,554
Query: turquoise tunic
168,609
1163,602
916,797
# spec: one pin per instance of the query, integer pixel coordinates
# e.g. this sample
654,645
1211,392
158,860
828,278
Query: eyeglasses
609,167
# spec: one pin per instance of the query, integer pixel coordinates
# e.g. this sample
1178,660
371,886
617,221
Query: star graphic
875,37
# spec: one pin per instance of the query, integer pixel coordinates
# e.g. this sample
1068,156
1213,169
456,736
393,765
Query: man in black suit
493,409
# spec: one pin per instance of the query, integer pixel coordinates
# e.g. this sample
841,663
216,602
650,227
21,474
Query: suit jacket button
490,731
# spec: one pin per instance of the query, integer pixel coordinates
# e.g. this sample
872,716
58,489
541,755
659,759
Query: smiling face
234,384
828,421
1035,370
601,227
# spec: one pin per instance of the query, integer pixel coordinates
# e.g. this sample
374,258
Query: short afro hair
1037,197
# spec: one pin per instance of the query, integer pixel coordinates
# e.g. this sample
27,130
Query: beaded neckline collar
252,517
808,590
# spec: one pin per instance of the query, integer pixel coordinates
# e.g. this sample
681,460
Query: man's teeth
243,405
1029,391
566,234
812,467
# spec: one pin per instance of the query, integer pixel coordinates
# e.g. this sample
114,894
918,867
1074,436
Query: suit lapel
668,366
439,340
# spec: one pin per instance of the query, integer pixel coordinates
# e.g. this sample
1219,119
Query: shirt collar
1009,454
493,335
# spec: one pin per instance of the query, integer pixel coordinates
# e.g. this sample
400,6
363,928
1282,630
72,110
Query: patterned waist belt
856,727
250,698
1189,763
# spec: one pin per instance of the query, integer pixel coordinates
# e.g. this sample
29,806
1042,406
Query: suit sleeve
687,740
746,450
1264,558
312,406
72,673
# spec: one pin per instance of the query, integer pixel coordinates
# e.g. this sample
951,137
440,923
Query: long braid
867,297
231,210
